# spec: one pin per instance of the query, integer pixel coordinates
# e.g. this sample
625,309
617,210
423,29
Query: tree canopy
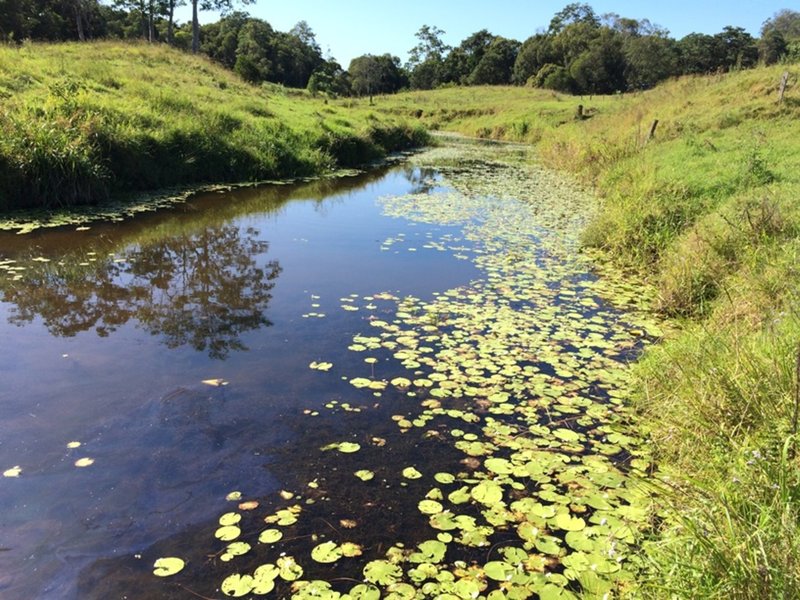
578,52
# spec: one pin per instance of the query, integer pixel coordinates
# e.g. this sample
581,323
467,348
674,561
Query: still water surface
108,333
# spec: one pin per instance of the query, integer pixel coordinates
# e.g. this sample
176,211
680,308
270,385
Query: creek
405,383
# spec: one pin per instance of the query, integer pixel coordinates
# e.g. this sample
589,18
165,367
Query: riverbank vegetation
705,209
82,122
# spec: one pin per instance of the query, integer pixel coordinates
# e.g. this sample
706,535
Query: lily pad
237,585
382,572
168,566
270,536
365,475
411,473
326,552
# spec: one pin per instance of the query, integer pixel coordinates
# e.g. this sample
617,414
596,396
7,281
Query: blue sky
349,28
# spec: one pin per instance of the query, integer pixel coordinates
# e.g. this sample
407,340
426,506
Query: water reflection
200,289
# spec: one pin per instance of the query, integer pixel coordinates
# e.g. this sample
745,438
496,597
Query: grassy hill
80,122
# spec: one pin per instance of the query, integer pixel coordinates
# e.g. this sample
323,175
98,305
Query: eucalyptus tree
198,5
497,63
426,59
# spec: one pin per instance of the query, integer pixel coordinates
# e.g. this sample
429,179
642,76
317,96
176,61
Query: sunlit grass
707,211
81,122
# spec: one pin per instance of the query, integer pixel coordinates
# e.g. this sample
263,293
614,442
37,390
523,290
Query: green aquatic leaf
267,572
401,591
411,473
270,536
288,569
311,590
351,549
230,518
487,493
548,544
499,466
168,566
567,435
430,551
459,496
444,478
568,523
326,552
499,571
365,475
430,507
238,548
227,533
579,540
12,472
237,585
364,592
443,521
382,572
344,447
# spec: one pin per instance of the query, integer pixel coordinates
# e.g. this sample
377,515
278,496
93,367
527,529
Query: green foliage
371,75
119,118
720,240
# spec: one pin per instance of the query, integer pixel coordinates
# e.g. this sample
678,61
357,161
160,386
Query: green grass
707,212
82,122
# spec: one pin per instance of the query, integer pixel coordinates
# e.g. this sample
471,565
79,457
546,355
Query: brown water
107,334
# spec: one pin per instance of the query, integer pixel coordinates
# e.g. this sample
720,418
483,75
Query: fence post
784,83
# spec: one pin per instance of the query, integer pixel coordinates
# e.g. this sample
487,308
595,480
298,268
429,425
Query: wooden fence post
653,130
784,83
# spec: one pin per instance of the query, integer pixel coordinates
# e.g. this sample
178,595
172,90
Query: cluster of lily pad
523,373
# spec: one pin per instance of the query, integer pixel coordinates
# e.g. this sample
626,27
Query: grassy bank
707,212
81,122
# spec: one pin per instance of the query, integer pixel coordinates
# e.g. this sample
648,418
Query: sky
349,28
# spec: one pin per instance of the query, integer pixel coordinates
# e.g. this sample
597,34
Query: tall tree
462,60
601,68
772,47
497,63
197,5
426,59
370,75
700,53
576,12
536,52
171,5
254,61
739,47
785,21
221,39
649,59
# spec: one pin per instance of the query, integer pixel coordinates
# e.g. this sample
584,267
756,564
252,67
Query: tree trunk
79,21
170,23
195,29
150,21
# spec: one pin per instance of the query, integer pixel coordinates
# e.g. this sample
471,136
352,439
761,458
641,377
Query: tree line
580,52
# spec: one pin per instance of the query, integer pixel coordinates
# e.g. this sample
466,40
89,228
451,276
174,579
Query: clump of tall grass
81,122
722,408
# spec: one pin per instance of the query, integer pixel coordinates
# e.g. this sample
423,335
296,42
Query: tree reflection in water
204,290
